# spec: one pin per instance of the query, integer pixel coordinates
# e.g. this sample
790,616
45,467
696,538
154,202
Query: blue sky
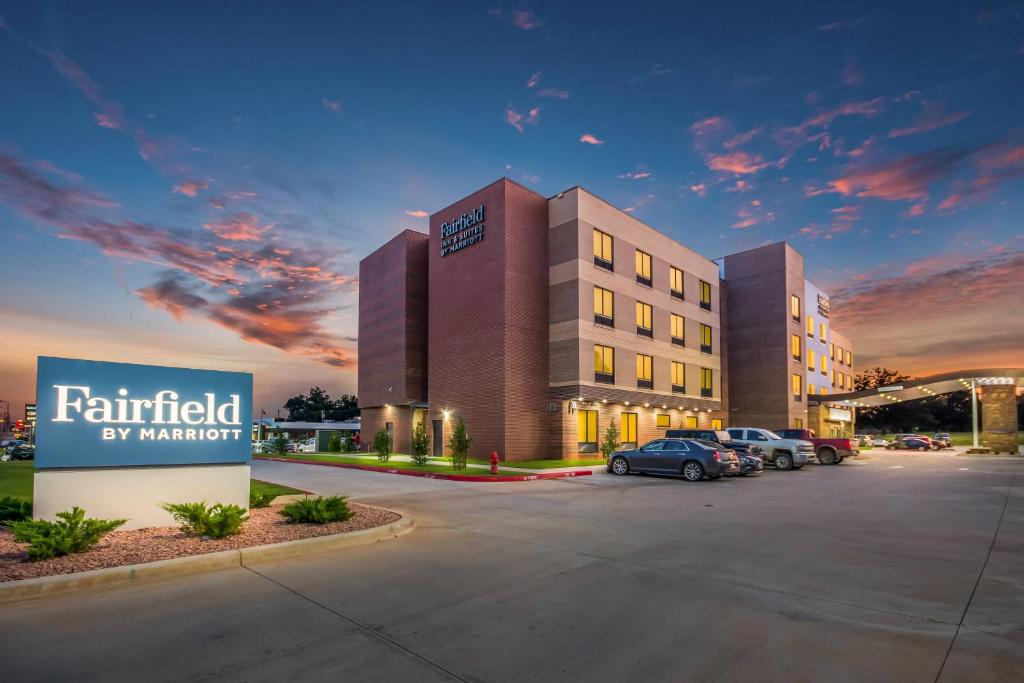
195,183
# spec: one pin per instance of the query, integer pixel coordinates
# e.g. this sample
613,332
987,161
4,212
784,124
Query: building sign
97,414
462,232
840,415
891,387
823,306
30,414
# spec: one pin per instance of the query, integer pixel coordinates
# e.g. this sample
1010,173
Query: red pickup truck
828,451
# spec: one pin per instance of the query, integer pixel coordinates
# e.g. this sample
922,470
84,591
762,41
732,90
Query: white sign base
136,493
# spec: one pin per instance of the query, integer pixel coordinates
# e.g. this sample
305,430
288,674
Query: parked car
828,451
260,447
8,444
307,446
880,441
910,443
291,447
785,454
943,439
751,456
23,452
687,457
862,440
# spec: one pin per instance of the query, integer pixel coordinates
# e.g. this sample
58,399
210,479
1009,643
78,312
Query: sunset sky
195,183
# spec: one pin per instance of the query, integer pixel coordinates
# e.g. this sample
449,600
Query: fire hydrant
494,462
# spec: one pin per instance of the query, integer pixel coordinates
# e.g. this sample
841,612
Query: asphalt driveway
893,567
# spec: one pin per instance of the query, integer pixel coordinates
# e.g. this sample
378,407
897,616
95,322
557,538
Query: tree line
317,406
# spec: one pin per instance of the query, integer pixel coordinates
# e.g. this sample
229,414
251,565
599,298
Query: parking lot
892,567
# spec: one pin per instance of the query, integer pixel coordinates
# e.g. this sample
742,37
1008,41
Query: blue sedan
690,458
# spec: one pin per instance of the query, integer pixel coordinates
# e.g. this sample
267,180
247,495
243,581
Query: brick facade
999,418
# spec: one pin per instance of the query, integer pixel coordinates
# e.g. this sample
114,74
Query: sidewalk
469,465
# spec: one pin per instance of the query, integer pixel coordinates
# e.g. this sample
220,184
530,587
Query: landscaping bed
434,467
124,548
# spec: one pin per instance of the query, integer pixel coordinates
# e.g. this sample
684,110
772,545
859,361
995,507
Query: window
795,347
810,389
603,255
604,364
678,377
797,388
832,351
706,382
643,268
705,295
663,421
716,423
678,330
629,429
736,434
810,326
824,364
794,307
842,379
839,354
811,360
849,358
832,377
823,332
676,283
643,319
705,338
644,377
824,391
849,382
604,306
690,421
798,422
587,431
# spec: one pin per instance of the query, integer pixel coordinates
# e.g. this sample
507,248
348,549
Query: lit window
832,351
824,391
716,423
644,375
794,307
604,306
705,295
795,347
839,354
810,359
798,423
797,387
663,421
643,319
824,332
676,282
849,358
832,377
678,330
690,421
705,338
706,382
587,435
824,364
810,389
810,326
603,250
849,382
842,379
643,268
629,429
604,364
678,378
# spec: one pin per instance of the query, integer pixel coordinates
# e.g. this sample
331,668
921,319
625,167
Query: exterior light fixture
446,413
606,400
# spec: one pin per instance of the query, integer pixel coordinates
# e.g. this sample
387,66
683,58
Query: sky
194,184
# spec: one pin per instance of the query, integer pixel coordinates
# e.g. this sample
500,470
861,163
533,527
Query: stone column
999,418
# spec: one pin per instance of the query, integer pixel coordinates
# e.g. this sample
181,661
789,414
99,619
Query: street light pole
974,411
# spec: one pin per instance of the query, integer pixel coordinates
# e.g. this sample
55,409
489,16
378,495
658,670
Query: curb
437,475
43,586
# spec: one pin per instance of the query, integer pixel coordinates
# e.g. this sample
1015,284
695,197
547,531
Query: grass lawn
961,438
257,486
435,467
16,479
546,464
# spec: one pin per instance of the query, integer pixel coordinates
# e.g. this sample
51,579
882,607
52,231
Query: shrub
14,510
334,443
280,444
260,499
319,510
420,443
459,445
350,445
610,443
73,533
214,521
382,444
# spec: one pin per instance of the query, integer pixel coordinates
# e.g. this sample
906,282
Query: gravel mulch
119,548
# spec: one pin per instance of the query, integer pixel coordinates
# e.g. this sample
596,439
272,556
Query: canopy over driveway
997,387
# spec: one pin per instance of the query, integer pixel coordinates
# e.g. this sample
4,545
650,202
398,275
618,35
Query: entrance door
438,438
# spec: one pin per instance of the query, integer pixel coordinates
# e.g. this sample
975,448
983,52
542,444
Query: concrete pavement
894,567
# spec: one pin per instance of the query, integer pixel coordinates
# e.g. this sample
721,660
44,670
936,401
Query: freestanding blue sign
98,414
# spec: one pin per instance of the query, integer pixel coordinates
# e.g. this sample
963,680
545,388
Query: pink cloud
190,188
553,93
635,175
741,139
519,121
906,178
931,118
534,80
238,227
709,126
418,213
524,20
852,75
700,189
330,105
589,139
737,162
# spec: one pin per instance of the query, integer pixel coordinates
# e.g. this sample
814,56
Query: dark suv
751,456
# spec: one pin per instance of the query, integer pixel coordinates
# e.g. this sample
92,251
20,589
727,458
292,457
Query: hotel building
542,321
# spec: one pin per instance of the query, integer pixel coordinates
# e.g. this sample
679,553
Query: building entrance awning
923,387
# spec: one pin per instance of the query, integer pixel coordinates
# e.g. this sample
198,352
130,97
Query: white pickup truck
785,454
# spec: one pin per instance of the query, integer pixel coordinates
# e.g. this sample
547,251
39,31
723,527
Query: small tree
350,445
334,443
610,443
420,443
280,443
459,446
382,444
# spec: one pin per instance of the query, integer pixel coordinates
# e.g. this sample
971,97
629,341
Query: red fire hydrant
494,462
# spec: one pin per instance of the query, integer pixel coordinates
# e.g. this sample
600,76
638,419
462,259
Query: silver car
785,454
